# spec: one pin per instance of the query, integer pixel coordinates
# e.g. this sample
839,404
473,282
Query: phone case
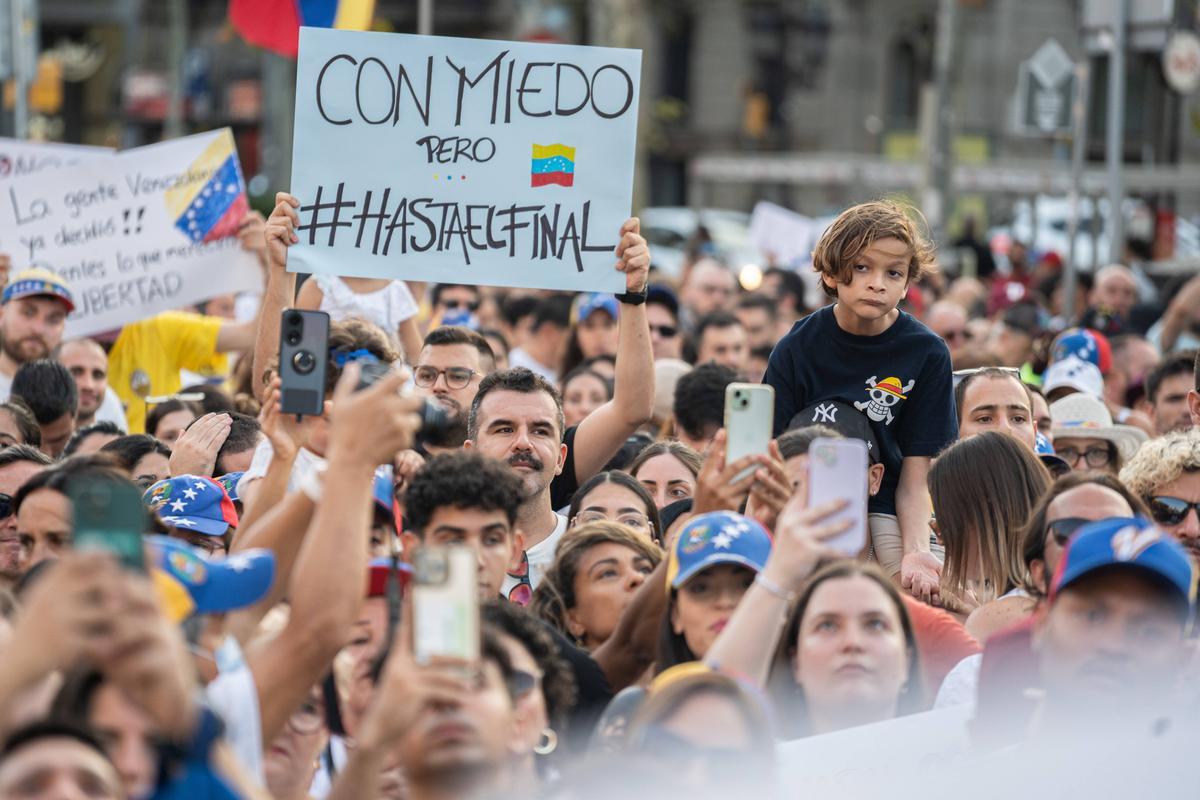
749,417
837,469
303,361
109,517
445,604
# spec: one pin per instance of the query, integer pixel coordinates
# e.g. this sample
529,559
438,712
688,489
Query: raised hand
716,489
633,256
373,425
195,451
282,430
281,229
800,537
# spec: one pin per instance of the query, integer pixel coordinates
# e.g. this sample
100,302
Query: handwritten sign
19,157
463,160
136,233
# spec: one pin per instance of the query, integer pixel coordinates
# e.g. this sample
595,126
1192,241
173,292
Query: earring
547,744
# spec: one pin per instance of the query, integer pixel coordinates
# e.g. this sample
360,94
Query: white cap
1076,373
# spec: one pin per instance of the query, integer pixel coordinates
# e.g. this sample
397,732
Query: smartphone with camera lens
109,517
303,361
749,416
445,601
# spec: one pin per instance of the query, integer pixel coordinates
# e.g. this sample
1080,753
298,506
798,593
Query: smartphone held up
837,470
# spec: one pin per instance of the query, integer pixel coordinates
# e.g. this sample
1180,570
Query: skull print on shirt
885,395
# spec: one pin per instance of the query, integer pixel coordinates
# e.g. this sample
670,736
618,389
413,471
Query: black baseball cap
841,417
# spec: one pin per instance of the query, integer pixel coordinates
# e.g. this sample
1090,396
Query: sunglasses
1170,510
665,331
1063,529
6,506
454,305
521,683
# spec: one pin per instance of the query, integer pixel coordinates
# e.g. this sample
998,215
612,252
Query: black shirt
900,379
594,694
565,483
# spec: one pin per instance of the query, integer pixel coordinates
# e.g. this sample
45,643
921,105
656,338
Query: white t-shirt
111,410
519,358
306,462
540,557
234,698
326,774
5,387
961,684
386,307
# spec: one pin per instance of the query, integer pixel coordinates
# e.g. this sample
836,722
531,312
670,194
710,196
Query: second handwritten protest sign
463,160
143,231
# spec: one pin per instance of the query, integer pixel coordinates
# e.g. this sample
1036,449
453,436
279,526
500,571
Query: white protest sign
19,157
837,763
783,234
463,160
136,233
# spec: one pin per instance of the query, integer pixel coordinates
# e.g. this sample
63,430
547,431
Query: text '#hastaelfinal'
387,223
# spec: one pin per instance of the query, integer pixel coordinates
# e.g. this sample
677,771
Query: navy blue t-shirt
900,379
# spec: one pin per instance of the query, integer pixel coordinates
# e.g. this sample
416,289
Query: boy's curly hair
860,226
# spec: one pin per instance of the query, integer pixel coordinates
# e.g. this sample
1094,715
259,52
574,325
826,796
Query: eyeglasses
454,305
665,331
1170,510
307,718
630,518
6,505
456,377
1094,456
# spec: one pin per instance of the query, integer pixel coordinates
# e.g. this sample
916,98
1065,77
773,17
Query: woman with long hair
597,569
983,490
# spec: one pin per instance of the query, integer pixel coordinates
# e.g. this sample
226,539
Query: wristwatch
632,298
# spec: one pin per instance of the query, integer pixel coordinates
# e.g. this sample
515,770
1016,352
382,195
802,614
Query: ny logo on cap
825,413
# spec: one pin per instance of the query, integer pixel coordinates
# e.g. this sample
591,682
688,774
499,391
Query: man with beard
452,362
1112,644
33,313
517,417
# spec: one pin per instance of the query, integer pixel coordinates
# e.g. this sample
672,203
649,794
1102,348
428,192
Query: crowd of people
653,616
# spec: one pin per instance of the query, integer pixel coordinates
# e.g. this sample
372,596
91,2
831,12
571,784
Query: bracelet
774,588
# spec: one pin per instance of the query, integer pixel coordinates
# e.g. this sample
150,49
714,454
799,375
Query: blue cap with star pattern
192,503
719,537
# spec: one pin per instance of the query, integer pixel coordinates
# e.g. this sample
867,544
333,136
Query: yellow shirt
147,356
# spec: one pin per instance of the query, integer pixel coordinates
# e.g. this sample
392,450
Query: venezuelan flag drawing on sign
275,24
212,206
552,163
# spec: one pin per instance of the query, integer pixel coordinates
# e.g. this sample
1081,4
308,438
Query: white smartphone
445,600
837,470
749,417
